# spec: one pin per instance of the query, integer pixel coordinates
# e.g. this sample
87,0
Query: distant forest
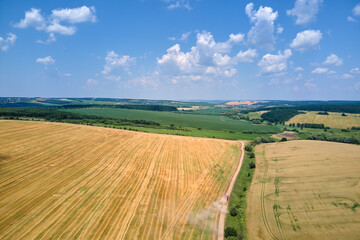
55,115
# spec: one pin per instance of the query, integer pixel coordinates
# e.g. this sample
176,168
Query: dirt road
222,218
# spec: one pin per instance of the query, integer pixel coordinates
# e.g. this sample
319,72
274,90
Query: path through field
67,181
228,191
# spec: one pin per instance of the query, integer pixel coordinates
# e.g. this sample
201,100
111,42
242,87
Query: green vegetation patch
209,122
280,115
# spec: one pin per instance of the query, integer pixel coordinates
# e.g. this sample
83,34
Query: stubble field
305,190
65,181
333,120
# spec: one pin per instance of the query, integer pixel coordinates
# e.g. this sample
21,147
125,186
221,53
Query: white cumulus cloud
262,33
247,56
56,27
33,18
275,63
60,21
7,42
320,70
332,59
115,62
305,10
46,60
306,40
206,59
75,15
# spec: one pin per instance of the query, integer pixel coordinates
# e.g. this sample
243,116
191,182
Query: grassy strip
237,201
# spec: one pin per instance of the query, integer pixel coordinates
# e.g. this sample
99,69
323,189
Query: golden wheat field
305,190
64,181
333,120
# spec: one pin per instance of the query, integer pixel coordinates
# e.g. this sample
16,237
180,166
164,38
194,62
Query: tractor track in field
262,199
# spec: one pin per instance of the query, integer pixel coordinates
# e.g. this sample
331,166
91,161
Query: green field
209,122
208,111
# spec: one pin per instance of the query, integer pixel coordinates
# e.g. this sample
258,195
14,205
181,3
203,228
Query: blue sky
176,49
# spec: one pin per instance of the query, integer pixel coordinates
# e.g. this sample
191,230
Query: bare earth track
65,181
229,190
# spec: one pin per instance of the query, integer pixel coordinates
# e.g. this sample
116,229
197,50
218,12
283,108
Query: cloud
279,29
114,62
298,69
46,60
305,11
206,58
236,38
91,83
173,4
319,70
55,27
50,39
55,22
67,75
275,63
247,56
332,59
347,76
75,15
306,40
350,19
7,42
262,33
182,38
33,18
356,10
355,70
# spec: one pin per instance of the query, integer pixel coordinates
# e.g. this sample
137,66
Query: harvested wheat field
305,190
64,181
333,120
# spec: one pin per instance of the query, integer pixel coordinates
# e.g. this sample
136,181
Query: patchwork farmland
305,190
72,181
